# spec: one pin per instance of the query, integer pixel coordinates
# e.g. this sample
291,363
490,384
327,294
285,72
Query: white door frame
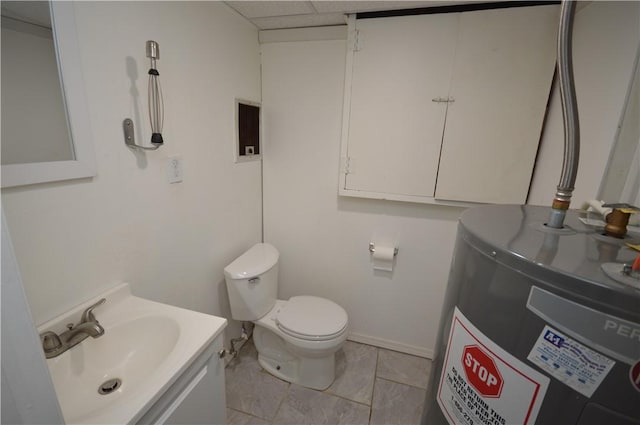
28,396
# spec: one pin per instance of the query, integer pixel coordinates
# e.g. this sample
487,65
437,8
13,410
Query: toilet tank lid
259,259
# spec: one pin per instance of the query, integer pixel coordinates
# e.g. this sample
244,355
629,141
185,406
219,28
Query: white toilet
296,339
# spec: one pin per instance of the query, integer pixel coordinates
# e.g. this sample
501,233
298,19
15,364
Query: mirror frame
65,40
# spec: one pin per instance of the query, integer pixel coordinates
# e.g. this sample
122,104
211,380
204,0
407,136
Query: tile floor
373,386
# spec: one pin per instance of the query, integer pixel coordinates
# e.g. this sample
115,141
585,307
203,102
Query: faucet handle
50,342
88,316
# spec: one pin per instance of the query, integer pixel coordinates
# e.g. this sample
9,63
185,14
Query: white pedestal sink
159,354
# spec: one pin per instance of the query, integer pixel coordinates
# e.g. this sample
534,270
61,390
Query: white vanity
154,363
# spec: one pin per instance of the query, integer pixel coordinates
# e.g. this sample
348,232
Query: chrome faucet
54,344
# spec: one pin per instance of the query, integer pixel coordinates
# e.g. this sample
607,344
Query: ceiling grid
268,15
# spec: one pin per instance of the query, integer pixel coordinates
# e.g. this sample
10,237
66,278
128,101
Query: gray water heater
539,325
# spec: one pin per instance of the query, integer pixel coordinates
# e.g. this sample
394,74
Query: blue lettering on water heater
556,340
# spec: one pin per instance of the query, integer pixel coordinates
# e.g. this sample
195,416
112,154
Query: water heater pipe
562,199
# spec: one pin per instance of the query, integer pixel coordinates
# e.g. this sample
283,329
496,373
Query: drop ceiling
267,15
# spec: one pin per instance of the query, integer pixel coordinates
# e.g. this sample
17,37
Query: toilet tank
252,282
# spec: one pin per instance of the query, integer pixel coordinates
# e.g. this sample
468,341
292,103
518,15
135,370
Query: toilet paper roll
383,258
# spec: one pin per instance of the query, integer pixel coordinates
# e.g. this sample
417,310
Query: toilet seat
312,318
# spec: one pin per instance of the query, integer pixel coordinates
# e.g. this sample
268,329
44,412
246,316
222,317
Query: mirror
31,88
45,133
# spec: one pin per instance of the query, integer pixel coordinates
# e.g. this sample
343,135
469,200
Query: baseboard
370,340
391,345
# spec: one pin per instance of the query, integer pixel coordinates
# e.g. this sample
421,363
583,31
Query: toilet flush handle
254,280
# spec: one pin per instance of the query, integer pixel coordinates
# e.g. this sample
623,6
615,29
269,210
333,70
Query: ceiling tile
269,14
366,6
259,9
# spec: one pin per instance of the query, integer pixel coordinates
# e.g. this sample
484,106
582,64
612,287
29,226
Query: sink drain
110,386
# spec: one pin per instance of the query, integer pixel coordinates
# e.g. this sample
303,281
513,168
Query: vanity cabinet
447,106
197,396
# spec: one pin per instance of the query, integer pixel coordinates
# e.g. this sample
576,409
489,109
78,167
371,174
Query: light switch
174,169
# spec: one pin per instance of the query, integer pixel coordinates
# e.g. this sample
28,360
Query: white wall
621,181
323,238
170,241
606,37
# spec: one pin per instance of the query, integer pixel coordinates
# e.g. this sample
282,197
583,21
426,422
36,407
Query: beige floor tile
395,403
304,406
355,372
357,397
250,389
238,418
403,368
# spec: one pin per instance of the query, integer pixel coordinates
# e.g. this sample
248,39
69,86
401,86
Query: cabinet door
203,400
501,81
197,396
394,128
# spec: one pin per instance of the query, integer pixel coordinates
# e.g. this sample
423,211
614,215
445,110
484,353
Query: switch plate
174,169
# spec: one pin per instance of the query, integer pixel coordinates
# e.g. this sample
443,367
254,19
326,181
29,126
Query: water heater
539,325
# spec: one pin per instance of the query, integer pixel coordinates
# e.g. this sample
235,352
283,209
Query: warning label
483,384
634,375
570,362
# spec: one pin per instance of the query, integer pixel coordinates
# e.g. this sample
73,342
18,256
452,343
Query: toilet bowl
296,339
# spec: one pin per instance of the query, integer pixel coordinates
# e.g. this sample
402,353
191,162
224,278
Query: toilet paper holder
372,249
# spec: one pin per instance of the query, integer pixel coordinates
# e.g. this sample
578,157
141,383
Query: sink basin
146,346
129,351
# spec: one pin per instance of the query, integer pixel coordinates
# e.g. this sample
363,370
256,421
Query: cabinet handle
443,100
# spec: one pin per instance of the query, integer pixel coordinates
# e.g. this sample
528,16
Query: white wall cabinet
446,107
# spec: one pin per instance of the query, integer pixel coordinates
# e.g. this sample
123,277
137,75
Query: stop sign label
634,374
483,384
482,372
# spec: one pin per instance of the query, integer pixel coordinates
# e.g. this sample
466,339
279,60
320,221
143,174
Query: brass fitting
560,204
617,222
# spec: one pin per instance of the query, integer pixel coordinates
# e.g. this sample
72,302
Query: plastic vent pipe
562,199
